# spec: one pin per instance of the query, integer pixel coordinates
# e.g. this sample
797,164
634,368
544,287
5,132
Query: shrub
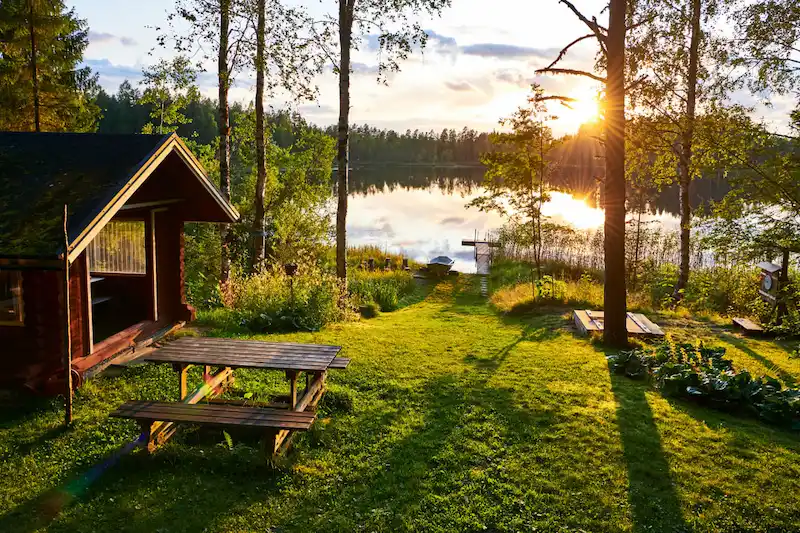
272,301
369,310
705,375
383,288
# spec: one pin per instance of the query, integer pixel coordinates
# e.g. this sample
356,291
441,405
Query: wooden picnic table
292,358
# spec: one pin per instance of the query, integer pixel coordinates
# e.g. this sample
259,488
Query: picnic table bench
278,424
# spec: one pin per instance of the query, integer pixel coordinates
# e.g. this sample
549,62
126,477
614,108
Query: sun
586,107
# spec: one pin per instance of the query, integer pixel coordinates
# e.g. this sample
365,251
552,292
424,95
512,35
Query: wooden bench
270,420
339,363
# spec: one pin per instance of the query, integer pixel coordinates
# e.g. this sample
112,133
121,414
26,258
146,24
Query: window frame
20,321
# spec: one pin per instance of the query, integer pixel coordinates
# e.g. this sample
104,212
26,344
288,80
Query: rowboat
440,265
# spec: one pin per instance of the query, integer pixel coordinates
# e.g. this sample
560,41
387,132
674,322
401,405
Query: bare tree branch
596,28
571,72
563,52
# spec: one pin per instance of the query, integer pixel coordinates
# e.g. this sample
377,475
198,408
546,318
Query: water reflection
422,213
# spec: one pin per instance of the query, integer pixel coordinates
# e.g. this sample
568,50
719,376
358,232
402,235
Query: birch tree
392,24
685,67
220,30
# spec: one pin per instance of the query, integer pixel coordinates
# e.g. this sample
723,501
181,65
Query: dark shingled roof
40,172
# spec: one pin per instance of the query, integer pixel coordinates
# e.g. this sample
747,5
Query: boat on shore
440,266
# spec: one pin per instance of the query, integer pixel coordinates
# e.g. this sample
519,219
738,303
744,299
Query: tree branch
596,28
565,100
563,52
571,72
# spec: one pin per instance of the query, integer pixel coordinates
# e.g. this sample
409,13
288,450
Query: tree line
129,111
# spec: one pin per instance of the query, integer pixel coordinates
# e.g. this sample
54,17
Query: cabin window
119,249
11,312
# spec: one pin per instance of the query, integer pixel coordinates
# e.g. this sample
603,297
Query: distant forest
123,113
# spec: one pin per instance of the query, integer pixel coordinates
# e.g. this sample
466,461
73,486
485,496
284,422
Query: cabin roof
93,174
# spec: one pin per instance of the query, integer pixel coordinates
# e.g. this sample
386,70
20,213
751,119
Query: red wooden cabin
127,197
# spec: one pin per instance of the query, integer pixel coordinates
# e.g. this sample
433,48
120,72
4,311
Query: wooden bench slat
257,345
216,415
222,410
244,356
339,363
235,362
252,352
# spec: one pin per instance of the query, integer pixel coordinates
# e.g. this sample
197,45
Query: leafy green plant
704,374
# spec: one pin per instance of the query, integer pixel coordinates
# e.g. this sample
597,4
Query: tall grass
720,290
271,301
386,289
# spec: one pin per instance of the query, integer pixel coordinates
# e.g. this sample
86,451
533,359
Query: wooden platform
637,324
748,326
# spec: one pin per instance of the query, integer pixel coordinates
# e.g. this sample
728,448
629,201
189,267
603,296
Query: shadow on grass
651,488
788,378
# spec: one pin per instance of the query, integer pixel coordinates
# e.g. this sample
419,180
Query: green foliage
386,289
66,90
369,310
705,375
515,173
170,87
272,301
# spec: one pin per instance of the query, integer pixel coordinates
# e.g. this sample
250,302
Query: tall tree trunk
259,243
342,148
34,70
685,161
614,330
223,73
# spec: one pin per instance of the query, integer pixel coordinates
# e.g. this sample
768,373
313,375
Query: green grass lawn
451,417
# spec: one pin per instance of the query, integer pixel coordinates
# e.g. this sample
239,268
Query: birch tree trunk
259,240
615,333
223,74
342,149
685,161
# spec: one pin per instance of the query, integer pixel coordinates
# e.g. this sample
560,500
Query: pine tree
42,87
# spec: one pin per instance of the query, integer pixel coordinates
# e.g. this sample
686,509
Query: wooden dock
483,260
637,324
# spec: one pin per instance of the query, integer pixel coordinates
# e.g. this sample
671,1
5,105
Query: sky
478,66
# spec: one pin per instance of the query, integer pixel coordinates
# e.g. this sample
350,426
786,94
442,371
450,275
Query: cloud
459,86
97,37
106,69
439,39
363,68
506,51
455,221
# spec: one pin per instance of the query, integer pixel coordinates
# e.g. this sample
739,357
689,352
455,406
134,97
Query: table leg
183,374
292,390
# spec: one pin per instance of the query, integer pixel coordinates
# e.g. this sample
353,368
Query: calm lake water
422,213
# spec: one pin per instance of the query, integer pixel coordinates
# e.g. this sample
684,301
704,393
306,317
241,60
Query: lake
422,213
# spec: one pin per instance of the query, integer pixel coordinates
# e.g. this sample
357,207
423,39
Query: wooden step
220,415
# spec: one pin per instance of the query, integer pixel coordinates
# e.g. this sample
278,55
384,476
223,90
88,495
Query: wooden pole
67,337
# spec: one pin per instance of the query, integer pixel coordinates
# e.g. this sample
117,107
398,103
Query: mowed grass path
450,418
